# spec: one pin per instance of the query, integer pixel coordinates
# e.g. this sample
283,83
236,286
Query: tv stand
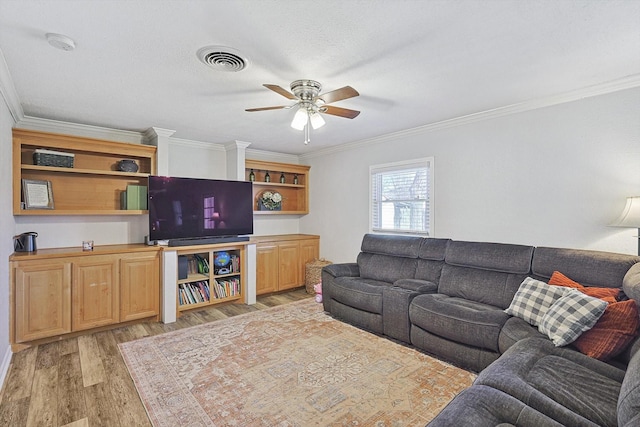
207,240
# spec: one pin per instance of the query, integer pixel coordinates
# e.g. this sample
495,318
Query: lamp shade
300,119
630,216
316,120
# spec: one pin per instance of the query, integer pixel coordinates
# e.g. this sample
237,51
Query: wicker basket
313,274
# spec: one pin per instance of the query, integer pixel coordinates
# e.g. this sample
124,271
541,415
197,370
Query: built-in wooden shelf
93,186
295,196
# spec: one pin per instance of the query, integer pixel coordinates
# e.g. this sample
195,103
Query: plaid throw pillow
570,316
533,299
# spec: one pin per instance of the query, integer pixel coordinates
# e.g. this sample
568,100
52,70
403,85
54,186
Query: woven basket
313,273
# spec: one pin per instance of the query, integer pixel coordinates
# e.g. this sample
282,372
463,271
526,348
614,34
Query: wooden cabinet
58,291
289,265
93,186
213,274
95,292
294,190
281,260
41,300
267,268
139,290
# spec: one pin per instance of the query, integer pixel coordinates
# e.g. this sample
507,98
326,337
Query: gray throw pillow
533,299
570,316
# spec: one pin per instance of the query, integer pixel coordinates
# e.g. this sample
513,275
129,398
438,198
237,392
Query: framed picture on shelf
37,194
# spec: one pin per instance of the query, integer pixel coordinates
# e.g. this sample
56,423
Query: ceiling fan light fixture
316,120
300,119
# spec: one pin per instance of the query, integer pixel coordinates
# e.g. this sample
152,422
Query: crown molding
628,82
89,131
234,145
8,91
151,134
197,144
255,154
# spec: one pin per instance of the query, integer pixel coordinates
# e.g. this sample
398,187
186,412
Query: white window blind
401,197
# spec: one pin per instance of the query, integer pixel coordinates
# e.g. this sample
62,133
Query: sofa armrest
417,285
631,283
350,269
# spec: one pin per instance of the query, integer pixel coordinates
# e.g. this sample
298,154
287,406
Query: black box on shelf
183,267
42,157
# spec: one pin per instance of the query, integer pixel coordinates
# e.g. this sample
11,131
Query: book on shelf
226,288
193,292
134,198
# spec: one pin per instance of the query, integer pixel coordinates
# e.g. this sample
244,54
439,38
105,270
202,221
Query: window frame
424,162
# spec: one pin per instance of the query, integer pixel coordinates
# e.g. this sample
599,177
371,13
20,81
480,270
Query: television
199,211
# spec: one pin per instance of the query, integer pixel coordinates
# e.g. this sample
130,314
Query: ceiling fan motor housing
306,90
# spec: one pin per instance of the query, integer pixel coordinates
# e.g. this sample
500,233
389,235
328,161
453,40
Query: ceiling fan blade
279,107
338,94
281,91
340,112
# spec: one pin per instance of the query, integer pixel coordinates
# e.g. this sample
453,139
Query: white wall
554,176
192,159
6,231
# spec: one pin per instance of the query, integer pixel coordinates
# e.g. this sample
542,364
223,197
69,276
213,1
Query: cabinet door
266,268
95,292
289,263
309,251
139,286
42,300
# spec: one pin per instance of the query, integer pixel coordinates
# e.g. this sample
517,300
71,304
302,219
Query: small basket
313,273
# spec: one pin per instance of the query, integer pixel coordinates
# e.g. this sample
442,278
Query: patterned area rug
291,365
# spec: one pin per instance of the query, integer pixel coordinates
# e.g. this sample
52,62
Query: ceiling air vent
222,58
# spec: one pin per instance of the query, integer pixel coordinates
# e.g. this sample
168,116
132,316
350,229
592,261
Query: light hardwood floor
83,381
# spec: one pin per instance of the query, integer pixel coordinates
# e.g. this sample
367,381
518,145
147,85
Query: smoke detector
223,58
60,41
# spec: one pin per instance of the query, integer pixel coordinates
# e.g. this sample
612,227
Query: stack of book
193,292
226,288
134,198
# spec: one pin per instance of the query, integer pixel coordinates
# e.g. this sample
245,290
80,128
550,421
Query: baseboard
4,367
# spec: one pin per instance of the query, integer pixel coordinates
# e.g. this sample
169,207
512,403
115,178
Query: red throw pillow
607,294
616,328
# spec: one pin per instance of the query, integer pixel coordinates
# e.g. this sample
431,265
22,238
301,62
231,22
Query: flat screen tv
199,209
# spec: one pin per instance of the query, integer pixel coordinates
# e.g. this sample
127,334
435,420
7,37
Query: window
401,197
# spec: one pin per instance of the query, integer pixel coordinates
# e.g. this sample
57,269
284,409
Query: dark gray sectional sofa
448,298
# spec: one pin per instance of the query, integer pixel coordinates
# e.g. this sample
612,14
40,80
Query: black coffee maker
25,242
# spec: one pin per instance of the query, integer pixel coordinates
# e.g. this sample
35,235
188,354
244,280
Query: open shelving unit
295,197
93,186
214,276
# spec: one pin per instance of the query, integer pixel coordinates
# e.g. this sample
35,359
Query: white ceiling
413,62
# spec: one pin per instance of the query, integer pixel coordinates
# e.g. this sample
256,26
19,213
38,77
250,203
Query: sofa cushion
570,316
359,293
502,257
516,329
417,285
533,299
590,268
563,384
482,406
485,286
397,246
613,332
386,268
629,400
464,321
606,294
433,249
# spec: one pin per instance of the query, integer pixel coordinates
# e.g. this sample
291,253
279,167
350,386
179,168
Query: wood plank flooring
83,381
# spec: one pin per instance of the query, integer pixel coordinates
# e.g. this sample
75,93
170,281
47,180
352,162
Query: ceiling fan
311,104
